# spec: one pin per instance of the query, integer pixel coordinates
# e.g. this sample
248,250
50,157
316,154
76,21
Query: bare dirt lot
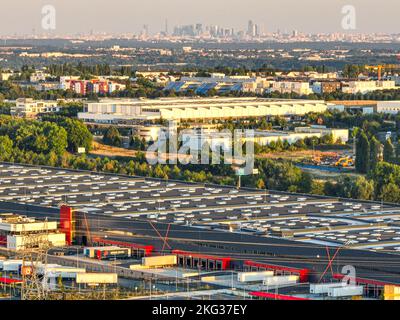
103,150
297,155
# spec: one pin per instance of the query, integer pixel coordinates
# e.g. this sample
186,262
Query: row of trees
53,134
78,135
301,144
52,141
369,153
69,69
36,136
381,183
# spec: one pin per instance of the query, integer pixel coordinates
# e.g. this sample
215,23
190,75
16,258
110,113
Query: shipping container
254,276
346,291
159,261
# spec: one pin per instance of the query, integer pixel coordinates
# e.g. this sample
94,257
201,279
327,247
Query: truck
344,162
111,254
90,251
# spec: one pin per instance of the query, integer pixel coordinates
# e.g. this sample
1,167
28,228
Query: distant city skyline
129,16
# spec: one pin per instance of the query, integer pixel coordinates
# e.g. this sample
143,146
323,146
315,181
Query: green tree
112,137
398,151
6,147
385,174
56,138
306,183
390,193
137,143
362,153
260,184
317,187
388,151
375,149
363,189
78,135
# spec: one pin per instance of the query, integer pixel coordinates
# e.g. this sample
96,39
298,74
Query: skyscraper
199,29
252,29
145,30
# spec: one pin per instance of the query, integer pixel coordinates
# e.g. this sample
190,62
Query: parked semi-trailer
11,265
280,280
97,278
346,291
254,276
109,254
90,251
323,288
159,261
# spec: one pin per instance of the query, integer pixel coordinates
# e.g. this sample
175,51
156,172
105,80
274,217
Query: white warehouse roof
196,108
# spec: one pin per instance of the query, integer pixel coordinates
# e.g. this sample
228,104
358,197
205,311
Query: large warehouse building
117,110
213,227
389,107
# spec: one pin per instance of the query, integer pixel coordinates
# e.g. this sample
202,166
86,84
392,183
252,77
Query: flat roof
211,219
188,101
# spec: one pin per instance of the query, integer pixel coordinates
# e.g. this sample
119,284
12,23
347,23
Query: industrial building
99,85
298,87
16,232
30,108
52,274
215,228
354,87
220,83
117,110
195,139
264,138
390,107
325,87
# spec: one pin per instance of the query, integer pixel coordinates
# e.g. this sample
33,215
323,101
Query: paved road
324,168
184,294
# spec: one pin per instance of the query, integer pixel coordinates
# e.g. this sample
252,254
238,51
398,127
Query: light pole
199,265
150,288
232,280
176,280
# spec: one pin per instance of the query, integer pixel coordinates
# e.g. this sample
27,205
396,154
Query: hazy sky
73,16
